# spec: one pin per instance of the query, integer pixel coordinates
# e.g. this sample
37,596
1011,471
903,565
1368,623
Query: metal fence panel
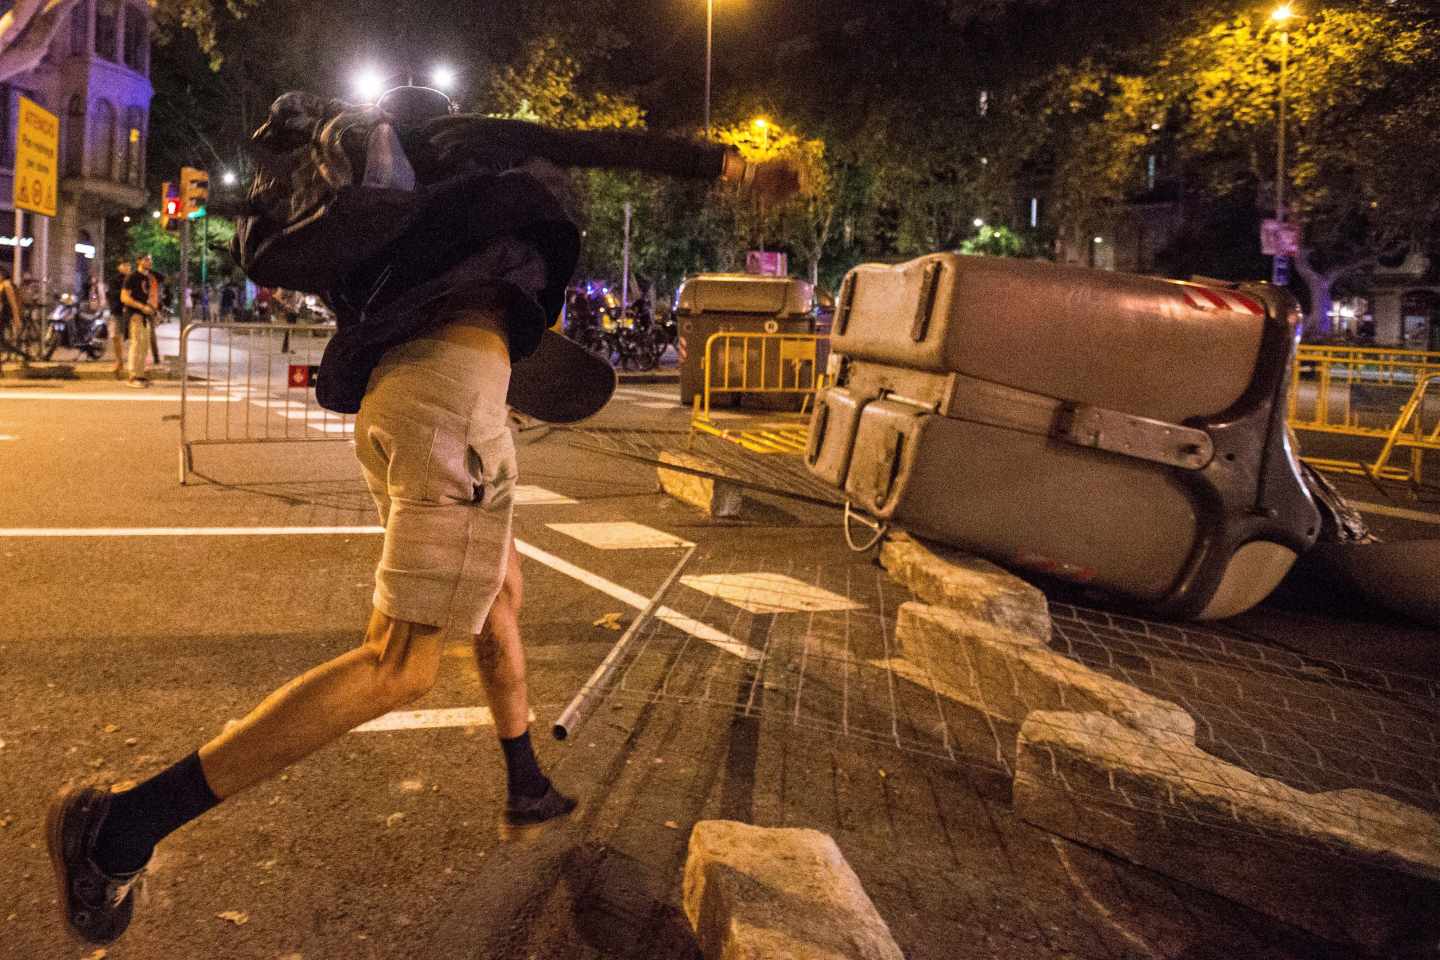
247,383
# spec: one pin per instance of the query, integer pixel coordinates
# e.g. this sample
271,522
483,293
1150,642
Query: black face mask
411,107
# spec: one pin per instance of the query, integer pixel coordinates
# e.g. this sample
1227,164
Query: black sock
141,817
522,771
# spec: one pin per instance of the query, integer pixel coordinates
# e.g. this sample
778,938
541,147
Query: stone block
953,579
715,498
1349,865
1007,675
757,893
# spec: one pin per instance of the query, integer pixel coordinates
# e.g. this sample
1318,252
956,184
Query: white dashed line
532,496
769,593
622,535
697,629
432,719
148,395
17,532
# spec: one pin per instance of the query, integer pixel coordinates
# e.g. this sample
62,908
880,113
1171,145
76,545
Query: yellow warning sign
37,148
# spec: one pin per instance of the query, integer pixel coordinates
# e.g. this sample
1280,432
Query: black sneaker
526,816
97,906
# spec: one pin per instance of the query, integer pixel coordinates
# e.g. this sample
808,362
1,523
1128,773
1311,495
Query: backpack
342,194
311,217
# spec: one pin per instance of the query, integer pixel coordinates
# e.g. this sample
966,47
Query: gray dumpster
711,303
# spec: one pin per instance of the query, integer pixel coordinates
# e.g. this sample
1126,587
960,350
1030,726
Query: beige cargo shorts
433,443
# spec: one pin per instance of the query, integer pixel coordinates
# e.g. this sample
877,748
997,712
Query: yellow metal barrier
1373,393
1409,432
1343,389
757,364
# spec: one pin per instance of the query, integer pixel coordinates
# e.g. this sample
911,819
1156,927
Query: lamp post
762,126
1280,268
709,38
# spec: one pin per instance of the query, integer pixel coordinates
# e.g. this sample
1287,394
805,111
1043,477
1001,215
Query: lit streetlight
978,222
1280,268
369,83
442,78
761,126
228,178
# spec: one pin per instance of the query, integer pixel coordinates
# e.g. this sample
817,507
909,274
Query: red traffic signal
172,207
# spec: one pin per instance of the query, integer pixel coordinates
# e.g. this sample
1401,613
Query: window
135,146
80,29
103,154
136,26
107,25
74,160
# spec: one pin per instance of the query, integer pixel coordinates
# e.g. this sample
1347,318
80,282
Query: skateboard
561,382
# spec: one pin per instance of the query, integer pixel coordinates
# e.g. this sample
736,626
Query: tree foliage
912,118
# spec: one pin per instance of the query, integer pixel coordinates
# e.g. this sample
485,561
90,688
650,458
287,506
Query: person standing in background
141,297
115,318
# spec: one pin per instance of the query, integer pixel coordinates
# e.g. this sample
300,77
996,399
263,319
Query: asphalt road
135,629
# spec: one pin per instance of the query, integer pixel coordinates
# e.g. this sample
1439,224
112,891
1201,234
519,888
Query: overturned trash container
1119,431
761,367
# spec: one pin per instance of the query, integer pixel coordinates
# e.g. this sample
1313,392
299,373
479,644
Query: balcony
122,196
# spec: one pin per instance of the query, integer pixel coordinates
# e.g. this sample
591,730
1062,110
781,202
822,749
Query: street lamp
442,78
761,126
368,84
228,178
1280,268
709,36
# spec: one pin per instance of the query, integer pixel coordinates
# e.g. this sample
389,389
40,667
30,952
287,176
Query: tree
1359,79
995,242
145,235
26,29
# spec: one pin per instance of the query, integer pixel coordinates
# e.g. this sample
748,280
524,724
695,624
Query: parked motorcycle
74,325
632,339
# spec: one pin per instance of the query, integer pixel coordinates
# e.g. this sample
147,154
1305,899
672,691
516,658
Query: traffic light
194,192
169,206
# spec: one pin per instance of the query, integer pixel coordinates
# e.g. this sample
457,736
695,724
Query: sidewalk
167,337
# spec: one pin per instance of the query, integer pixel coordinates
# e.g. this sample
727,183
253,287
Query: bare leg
500,656
396,664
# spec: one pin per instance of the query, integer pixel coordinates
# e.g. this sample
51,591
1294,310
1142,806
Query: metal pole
625,280
204,275
1280,140
1280,267
18,276
594,688
709,35
42,240
183,289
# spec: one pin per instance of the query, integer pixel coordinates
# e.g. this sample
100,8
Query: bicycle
26,343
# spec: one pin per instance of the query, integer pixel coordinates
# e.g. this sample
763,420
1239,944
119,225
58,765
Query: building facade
95,78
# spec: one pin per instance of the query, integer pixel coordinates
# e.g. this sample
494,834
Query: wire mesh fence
1211,729
249,383
782,474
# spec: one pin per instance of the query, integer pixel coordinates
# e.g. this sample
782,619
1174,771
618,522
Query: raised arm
502,142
